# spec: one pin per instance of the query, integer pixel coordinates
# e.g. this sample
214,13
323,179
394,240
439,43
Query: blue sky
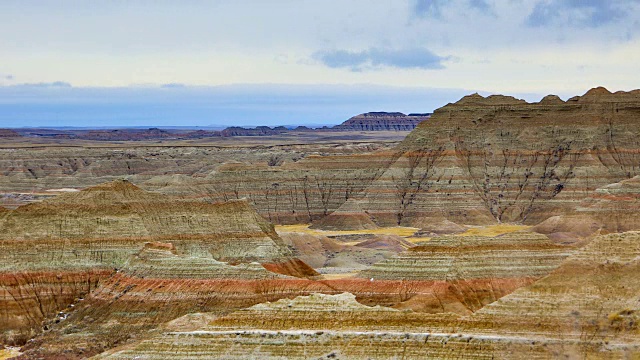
244,62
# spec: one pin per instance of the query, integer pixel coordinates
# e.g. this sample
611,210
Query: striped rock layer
325,326
477,161
502,159
382,121
587,308
56,251
611,208
463,274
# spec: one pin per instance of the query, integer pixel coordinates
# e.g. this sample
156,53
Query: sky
272,62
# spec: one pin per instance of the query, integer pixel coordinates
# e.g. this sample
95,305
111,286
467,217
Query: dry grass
494,230
285,139
336,276
415,240
405,232
8,353
304,228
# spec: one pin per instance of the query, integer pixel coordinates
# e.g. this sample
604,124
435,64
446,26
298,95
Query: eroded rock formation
60,249
109,266
349,216
462,274
520,162
611,208
382,121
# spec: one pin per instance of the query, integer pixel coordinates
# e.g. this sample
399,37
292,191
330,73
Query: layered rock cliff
60,249
325,327
96,269
382,121
477,161
462,274
501,159
611,208
587,308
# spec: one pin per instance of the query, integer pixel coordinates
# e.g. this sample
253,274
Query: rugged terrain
587,308
381,121
496,229
61,249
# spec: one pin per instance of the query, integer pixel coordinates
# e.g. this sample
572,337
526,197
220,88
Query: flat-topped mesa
126,135
257,131
501,159
382,121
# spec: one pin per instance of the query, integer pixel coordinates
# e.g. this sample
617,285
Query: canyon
492,228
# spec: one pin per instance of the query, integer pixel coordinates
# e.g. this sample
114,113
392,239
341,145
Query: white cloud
471,43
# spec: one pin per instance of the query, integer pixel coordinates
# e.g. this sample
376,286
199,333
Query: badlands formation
496,229
380,121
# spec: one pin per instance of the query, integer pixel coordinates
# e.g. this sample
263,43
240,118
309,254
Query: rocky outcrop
504,160
464,273
611,208
304,183
349,216
330,256
162,261
587,308
478,161
76,240
126,135
257,131
382,121
299,328
591,297
386,242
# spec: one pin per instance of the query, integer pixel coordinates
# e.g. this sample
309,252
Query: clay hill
587,308
501,159
610,209
58,250
382,121
349,216
478,161
88,271
189,264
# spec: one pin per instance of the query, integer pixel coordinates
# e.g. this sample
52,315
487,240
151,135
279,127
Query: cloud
55,84
428,8
584,13
172,86
434,8
481,5
373,58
